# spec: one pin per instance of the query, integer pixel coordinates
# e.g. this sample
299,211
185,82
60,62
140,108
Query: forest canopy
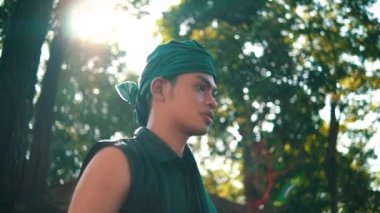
298,114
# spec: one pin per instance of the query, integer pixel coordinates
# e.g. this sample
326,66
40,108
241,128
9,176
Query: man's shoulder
118,142
127,145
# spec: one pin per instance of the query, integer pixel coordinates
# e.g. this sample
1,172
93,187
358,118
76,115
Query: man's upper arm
104,184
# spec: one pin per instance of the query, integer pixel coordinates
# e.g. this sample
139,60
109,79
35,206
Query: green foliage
87,108
227,185
354,170
279,65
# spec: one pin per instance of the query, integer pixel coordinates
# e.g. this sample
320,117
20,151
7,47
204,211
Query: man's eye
214,94
201,88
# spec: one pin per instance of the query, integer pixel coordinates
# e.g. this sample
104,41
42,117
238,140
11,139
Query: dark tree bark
18,68
44,116
331,163
257,186
35,184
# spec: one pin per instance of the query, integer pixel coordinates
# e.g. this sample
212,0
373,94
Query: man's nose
211,101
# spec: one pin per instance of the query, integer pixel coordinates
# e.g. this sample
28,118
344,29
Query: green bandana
173,58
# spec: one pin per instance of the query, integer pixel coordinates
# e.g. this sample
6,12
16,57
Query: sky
91,20
134,35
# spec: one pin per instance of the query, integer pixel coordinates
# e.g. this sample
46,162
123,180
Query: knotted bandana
173,58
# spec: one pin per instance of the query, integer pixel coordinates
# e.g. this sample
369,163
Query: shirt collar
156,147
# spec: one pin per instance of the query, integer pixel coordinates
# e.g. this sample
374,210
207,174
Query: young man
155,171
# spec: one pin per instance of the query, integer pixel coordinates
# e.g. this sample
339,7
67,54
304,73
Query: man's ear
157,88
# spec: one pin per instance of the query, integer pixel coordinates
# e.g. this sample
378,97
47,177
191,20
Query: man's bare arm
104,184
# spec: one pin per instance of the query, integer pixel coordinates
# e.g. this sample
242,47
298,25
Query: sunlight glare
97,20
105,22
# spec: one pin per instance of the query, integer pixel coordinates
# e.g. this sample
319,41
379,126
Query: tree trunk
18,68
248,164
38,164
331,166
257,185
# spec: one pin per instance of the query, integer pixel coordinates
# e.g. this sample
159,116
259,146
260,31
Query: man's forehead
207,78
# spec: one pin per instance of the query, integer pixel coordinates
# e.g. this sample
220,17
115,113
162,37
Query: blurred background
299,97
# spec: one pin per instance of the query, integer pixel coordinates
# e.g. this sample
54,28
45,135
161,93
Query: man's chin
200,132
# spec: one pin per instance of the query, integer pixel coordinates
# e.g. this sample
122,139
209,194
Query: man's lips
209,115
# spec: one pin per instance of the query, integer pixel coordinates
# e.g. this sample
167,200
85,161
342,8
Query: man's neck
174,139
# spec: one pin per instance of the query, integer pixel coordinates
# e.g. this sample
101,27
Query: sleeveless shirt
161,181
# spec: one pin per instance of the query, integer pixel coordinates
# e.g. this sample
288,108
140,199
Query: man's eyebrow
206,81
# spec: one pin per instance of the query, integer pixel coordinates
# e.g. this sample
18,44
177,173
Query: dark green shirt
160,180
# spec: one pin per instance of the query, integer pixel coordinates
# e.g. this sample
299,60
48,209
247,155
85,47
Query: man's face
191,103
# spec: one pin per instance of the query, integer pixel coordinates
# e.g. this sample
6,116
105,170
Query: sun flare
105,21
98,21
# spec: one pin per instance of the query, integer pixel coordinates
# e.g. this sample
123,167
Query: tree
327,48
87,108
37,166
278,64
18,67
24,25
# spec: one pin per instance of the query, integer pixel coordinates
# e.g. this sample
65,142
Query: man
155,171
